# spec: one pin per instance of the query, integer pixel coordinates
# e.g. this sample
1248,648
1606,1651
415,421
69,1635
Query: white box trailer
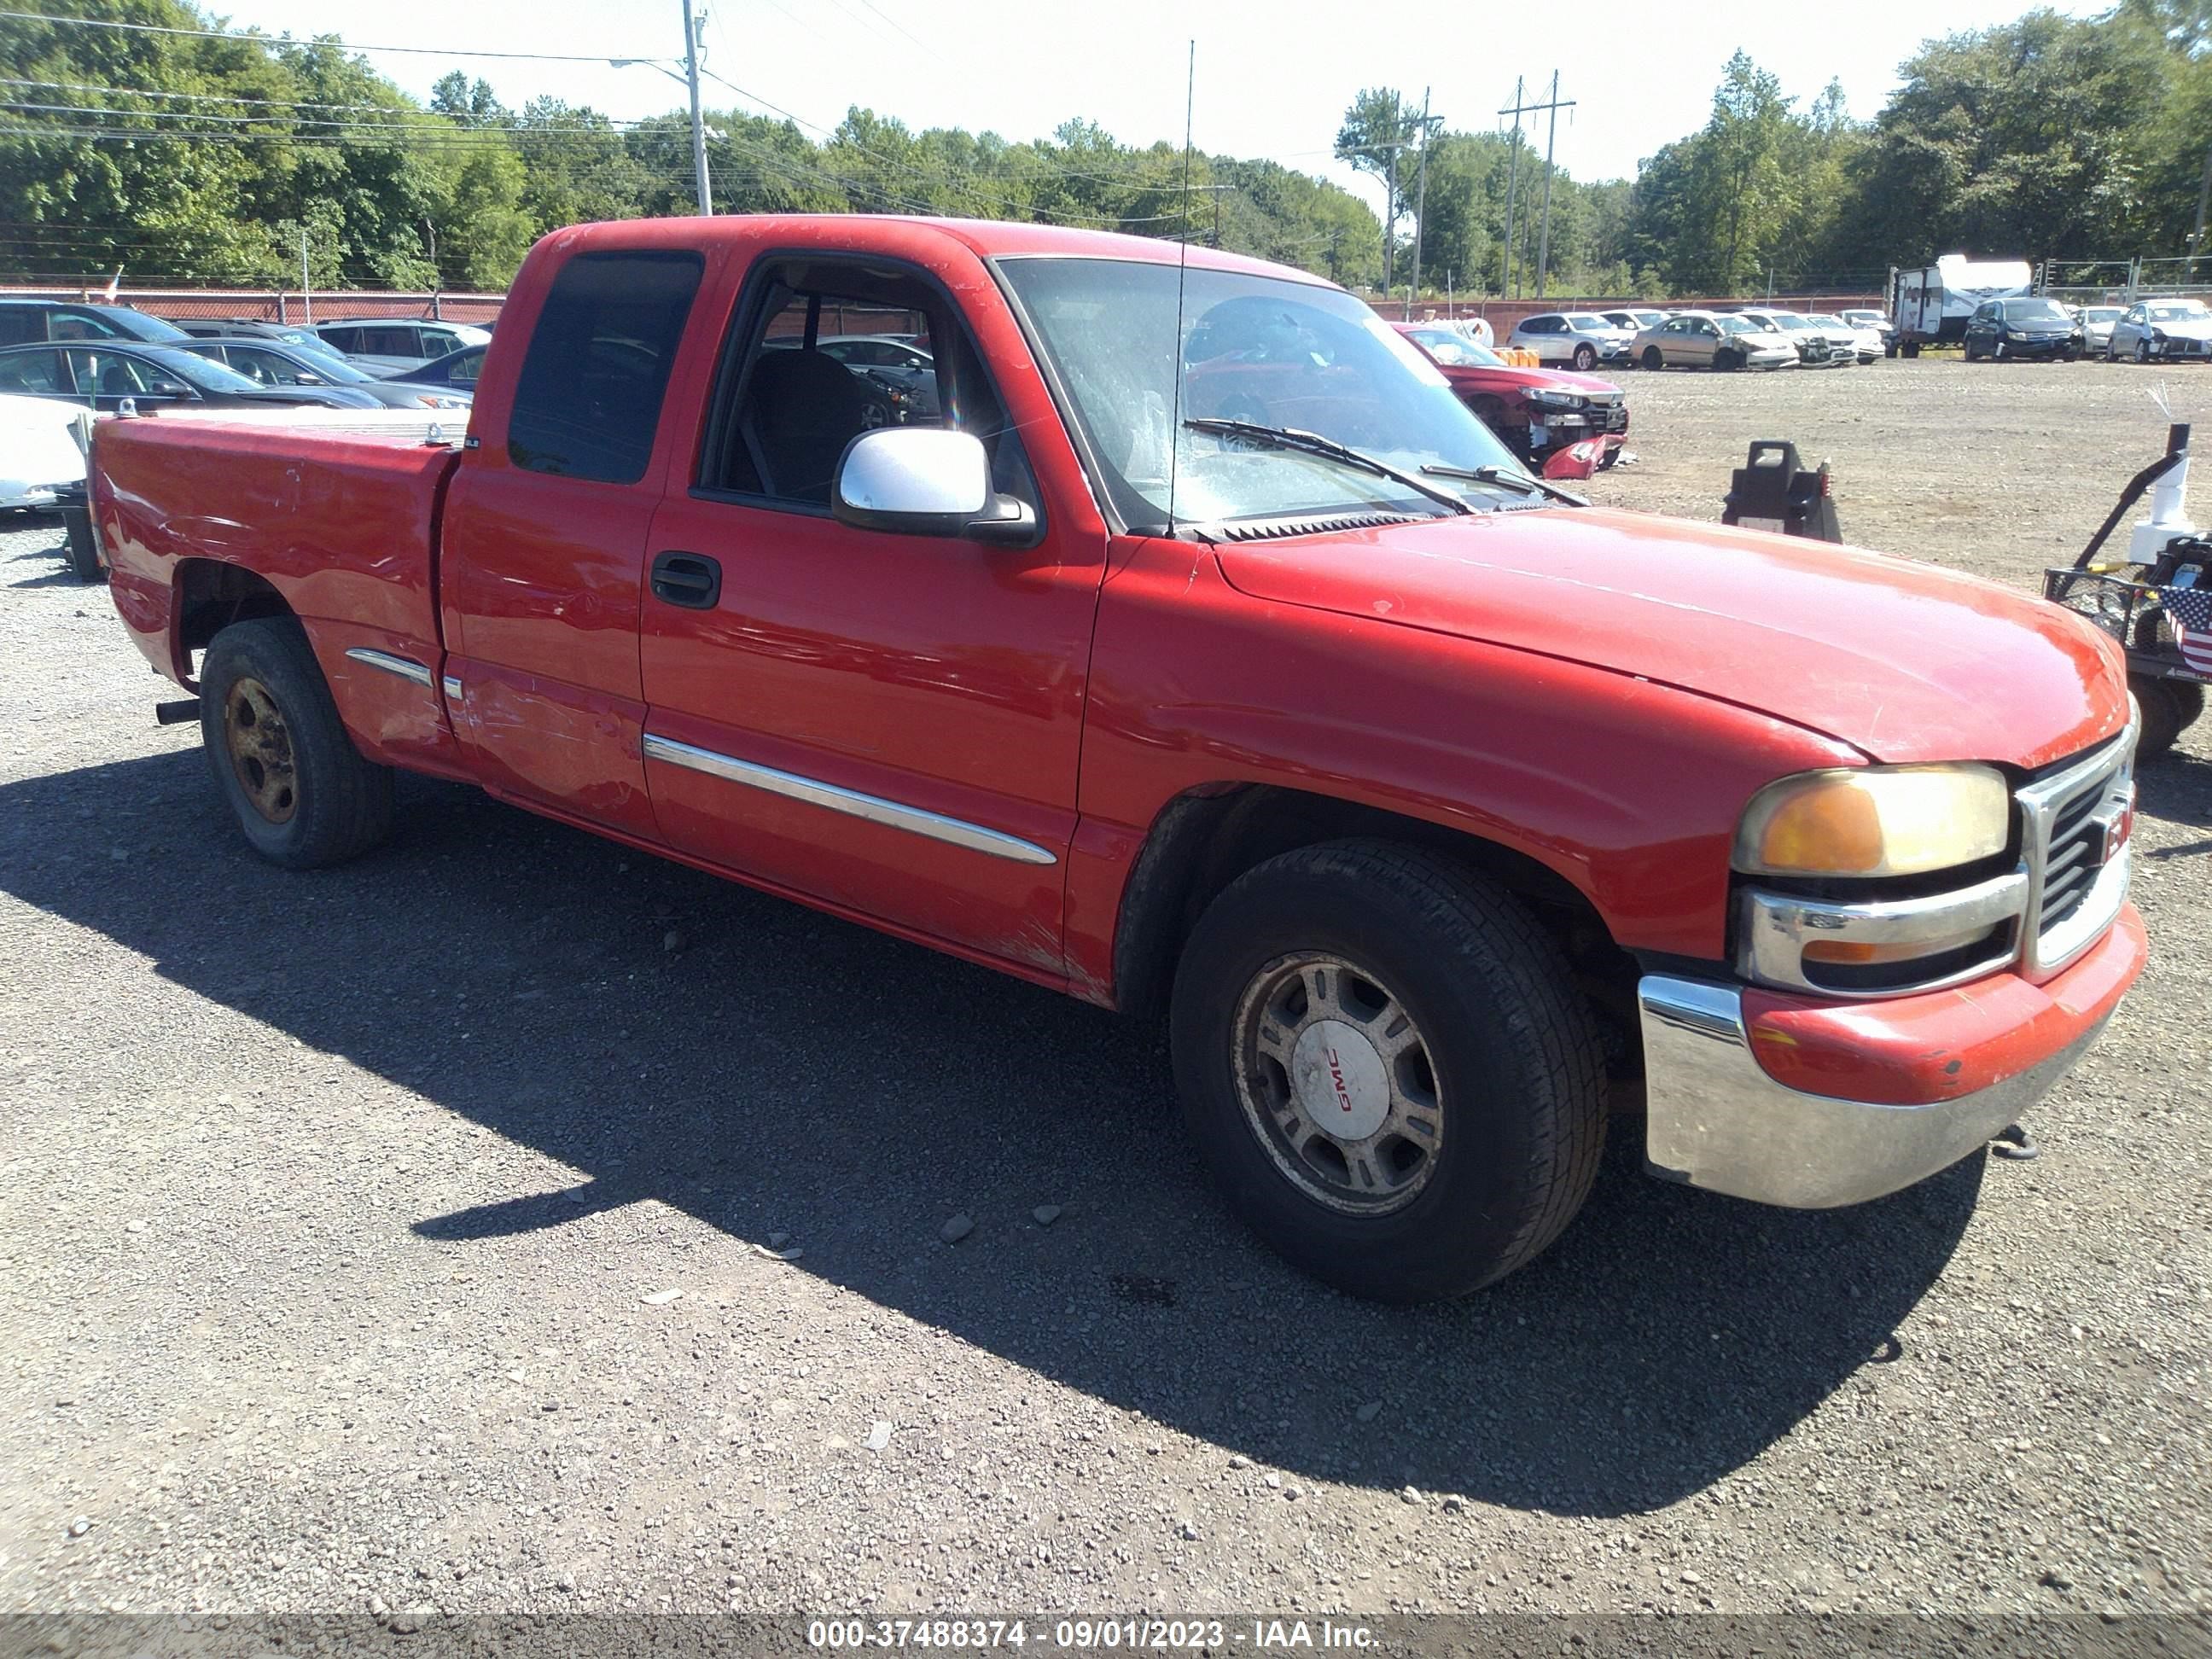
1931,305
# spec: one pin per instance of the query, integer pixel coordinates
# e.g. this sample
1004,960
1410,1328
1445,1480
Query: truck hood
1560,379
1903,661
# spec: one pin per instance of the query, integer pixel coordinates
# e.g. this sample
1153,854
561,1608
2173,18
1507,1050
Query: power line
427,122
288,40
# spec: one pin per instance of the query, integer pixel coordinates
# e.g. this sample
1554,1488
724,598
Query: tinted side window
588,402
341,339
19,326
32,371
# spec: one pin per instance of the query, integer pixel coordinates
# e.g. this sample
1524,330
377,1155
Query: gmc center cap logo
1340,1080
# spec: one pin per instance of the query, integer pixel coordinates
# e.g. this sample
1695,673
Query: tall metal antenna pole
1544,241
698,128
1183,269
1420,208
1512,177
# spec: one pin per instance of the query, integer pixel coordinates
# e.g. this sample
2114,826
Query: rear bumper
1904,1087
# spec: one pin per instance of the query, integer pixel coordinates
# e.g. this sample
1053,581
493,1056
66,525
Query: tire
1654,359
2143,352
1728,359
2169,708
80,551
1504,1057
302,794
1585,358
1910,348
1972,356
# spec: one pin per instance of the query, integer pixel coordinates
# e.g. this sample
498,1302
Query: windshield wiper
1312,443
1523,483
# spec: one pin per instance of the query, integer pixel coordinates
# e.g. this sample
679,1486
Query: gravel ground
508,1221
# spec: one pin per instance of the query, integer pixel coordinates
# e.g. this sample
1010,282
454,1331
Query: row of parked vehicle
1754,336
97,355
2168,329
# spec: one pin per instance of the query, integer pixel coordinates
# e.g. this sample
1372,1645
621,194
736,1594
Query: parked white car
1865,339
2097,327
42,447
1579,339
1635,319
1816,347
2161,331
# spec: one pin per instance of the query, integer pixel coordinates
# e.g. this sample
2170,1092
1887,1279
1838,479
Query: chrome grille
2078,876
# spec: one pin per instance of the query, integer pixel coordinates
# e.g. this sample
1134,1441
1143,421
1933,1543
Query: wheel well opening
1205,839
210,596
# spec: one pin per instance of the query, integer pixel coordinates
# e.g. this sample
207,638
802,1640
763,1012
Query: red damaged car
1537,411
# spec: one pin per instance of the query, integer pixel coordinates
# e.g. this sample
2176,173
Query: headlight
1875,821
1555,399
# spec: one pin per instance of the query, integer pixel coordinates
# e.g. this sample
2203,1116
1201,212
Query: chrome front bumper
1717,1120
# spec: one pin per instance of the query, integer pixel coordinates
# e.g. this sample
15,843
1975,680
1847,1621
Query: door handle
690,580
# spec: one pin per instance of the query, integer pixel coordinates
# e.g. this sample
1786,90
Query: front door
886,724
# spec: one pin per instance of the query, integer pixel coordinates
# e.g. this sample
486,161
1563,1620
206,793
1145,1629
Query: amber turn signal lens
1875,821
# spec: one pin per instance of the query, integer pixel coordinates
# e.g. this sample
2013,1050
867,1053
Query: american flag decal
2190,609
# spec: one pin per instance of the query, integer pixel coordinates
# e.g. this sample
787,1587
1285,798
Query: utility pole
698,129
1389,199
2203,200
1420,209
1512,178
1551,141
307,298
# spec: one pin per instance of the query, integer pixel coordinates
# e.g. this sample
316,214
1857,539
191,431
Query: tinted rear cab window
588,402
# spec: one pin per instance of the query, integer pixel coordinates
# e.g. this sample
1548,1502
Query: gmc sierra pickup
1193,650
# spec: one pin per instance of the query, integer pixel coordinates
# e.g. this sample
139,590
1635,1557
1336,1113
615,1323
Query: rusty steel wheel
300,792
260,748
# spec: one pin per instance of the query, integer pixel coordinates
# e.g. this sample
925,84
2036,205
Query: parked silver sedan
2097,326
1709,339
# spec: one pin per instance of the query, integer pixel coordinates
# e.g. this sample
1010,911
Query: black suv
36,322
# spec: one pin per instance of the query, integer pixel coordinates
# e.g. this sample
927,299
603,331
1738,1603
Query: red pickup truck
1200,655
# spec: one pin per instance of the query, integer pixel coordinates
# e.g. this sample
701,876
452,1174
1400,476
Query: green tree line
191,157
187,157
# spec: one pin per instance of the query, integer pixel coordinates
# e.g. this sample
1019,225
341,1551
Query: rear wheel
1654,359
1910,349
2143,352
1585,358
1388,1067
302,794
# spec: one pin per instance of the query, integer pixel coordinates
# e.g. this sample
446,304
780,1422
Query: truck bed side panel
343,528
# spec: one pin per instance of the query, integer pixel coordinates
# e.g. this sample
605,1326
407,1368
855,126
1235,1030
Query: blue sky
1274,76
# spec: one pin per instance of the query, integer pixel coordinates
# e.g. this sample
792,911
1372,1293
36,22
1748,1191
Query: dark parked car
26,322
251,328
269,364
101,373
2027,327
456,372
891,362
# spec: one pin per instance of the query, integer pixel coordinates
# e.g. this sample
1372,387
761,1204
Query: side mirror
927,481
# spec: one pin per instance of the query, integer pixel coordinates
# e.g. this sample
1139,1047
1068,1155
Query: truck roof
987,238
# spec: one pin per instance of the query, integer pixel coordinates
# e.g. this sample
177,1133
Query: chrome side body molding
874,808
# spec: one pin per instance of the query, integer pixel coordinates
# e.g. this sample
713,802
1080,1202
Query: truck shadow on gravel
780,1072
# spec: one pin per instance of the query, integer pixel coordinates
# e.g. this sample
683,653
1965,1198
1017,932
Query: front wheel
302,794
1654,359
1728,359
2169,708
1388,1067
1585,358
2143,352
